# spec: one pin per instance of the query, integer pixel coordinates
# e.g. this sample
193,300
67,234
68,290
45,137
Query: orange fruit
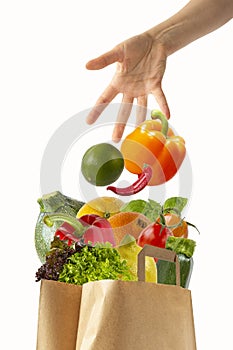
131,223
176,224
102,206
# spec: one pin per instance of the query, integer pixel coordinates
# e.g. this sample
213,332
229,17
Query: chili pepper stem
50,218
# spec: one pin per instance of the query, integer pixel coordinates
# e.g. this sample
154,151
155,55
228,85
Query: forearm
196,19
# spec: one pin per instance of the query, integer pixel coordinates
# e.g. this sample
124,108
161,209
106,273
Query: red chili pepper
137,186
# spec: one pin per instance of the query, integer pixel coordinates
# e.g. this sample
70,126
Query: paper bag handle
160,253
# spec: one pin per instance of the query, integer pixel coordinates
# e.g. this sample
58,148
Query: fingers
102,102
161,99
122,117
104,60
141,109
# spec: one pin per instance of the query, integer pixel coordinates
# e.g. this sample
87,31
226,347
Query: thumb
103,60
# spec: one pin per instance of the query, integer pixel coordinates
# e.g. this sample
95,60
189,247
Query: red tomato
154,234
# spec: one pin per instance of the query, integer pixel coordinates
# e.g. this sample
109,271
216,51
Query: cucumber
184,249
166,271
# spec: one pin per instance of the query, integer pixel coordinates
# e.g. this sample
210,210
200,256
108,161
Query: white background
43,82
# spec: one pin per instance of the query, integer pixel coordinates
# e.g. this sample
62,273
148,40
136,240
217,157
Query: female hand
141,62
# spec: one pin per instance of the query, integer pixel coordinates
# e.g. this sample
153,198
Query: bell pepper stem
50,218
155,114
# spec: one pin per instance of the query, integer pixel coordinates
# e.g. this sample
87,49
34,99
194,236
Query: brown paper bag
58,315
117,315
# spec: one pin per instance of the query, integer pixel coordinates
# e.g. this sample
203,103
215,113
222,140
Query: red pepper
66,233
137,186
100,227
89,228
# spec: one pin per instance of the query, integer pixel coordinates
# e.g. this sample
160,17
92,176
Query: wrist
195,20
170,35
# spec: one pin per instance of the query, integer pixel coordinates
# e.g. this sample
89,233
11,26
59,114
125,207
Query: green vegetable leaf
136,205
153,209
175,204
181,245
150,208
56,244
55,259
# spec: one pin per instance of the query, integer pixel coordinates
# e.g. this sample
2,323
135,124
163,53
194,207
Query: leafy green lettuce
95,263
181,245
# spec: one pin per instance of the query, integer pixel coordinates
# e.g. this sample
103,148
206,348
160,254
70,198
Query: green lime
102,164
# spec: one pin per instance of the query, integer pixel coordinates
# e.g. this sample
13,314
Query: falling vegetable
154,144
102,164
137,186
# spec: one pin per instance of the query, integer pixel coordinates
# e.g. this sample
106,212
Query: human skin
141,60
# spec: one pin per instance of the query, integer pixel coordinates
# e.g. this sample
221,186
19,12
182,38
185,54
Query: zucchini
166,271
52,202
58,202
